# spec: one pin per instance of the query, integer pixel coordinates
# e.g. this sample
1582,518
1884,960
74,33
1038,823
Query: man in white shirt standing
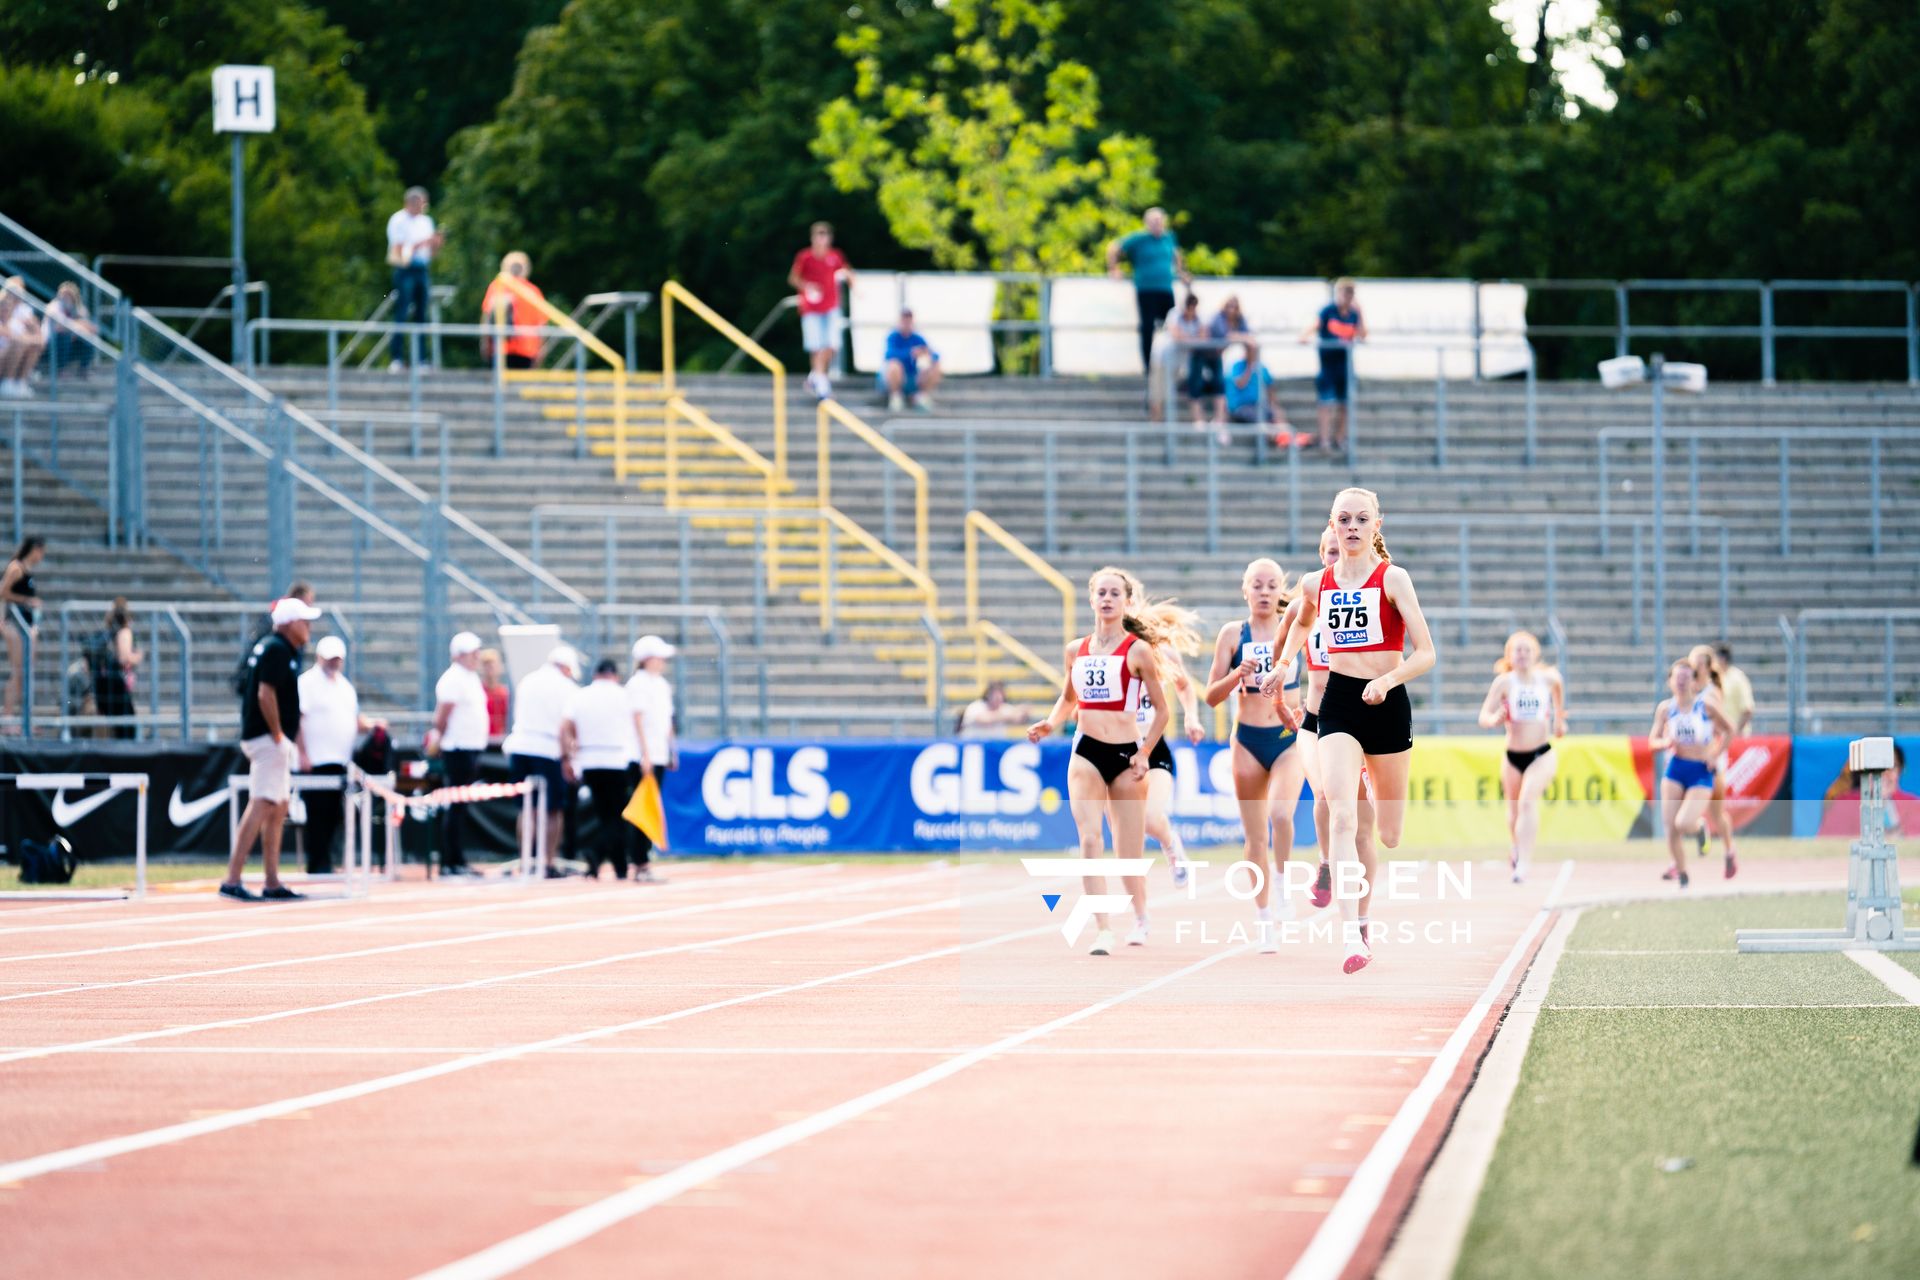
652,698
412,240
458,736
539,746
330,721
604,732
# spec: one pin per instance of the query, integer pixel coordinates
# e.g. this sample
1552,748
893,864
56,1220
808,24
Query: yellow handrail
978,522
984,630
832,411
929,592
678,408
579,333
673,291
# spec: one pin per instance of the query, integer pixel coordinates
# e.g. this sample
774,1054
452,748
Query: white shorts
820,331
270,768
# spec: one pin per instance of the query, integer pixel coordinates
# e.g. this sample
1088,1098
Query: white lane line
109,1148
1808,1008
1341,1231
620,1050
512,1254
1427,1245
219,909
1901,981
465,939
571,925
362,922
1559,885
163,1033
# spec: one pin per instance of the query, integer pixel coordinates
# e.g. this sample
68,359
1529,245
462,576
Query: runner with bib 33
1370,615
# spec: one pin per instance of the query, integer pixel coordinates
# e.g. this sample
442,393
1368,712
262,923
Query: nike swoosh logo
185,815
67,812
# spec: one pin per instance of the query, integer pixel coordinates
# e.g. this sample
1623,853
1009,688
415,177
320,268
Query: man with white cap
539,746
652,699
458,736
269,727
330,721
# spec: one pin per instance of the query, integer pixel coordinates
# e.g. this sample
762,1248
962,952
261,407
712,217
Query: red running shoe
1357,959
1667,874
1732,866
1322,886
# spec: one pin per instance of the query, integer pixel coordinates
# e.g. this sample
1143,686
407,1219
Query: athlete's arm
1220,683
1559,705
1398,587
1657,737
1722,727
1058,716
1492,713
1303,610
1147,669
1189,701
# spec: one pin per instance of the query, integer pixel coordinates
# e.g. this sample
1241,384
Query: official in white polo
536,748
652,697
330,723
458,736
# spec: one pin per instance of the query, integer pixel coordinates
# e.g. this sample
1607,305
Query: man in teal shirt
1155,256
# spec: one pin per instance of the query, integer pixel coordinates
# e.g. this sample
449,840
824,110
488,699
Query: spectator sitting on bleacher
1251,395
911,368
69,352
522,349
21,340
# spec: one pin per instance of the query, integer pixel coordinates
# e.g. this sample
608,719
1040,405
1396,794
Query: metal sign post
242,104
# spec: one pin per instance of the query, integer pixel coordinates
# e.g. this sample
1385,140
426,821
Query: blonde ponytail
1161,623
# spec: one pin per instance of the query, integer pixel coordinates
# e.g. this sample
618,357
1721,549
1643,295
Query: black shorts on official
1381,731
1111,758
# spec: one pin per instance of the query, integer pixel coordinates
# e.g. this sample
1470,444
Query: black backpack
375,754
47,863
101,659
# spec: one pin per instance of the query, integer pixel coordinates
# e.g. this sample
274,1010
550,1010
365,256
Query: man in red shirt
816,275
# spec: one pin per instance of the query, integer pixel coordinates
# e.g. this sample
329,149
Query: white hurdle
356,880
138,783
1874,920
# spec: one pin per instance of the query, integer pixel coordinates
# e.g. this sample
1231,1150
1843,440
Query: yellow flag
646,812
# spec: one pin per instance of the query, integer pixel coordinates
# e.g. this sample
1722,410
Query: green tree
662,139
429,75
992,154
318,189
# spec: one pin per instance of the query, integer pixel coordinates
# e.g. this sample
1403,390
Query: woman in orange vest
505,305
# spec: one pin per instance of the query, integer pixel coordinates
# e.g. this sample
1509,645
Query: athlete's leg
1389,774
1363,845
1159,821
1087,798
1251,790
1340,763
1672,796
1127,805
1283,797
1510,788
1526,828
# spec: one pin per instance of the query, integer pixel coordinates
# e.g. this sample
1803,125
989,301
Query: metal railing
584,342
1782,438
983,631
829,412
375,323
674,293
155,612
1850,675
592,314
17,619
765,572
1765,333
1173,382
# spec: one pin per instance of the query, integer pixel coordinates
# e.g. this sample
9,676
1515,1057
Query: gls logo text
740,783
950,778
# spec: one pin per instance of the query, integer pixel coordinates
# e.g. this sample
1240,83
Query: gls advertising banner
934,796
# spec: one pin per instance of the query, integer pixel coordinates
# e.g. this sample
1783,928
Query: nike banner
186,801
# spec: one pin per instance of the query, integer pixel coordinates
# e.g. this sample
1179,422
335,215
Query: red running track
846,1070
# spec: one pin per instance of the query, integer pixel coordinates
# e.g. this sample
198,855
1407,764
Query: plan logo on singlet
1091,903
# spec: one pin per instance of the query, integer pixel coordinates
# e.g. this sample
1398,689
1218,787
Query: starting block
1874,921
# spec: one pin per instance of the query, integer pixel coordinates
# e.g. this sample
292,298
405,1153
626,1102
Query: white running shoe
1180,872
1283,908
896,402
1102,943
1269,936
1138,936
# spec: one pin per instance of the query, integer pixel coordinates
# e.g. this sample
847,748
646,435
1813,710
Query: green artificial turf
1707,1142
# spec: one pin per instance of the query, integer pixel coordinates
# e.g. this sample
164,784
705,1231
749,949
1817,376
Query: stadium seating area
1000,445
